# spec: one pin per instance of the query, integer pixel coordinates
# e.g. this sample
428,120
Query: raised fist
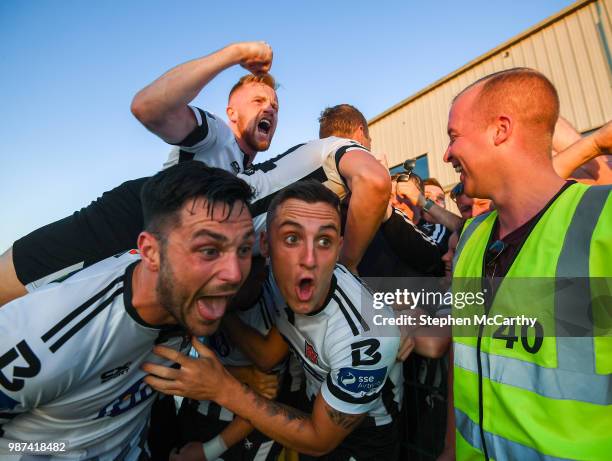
256,57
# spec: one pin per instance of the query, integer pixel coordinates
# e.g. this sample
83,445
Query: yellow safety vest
531,394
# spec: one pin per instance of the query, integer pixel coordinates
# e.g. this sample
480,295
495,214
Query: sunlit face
253,109
468,149
447,258
436,195
303,245
203,262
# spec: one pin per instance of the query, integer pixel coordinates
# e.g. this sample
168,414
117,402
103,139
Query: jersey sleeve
332,162
203,141
360,366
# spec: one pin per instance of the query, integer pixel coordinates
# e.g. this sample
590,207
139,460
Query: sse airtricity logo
359,381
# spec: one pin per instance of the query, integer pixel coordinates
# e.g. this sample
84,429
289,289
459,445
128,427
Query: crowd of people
215,309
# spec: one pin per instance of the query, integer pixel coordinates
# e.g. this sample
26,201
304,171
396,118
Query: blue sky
69,70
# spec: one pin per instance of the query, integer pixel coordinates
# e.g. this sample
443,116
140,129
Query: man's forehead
203,210
299,210
251,89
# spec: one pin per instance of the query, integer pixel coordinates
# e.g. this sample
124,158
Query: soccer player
70,352
340,160
353,378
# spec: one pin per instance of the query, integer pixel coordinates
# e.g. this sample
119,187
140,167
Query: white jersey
70,357
211,142
355,372
318,159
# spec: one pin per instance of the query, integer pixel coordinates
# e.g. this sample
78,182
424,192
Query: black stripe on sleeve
347,316
346,397
74,330
66,320
340,153
198,134
358,316
261,206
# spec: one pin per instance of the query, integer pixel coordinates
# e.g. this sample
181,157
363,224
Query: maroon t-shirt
514,241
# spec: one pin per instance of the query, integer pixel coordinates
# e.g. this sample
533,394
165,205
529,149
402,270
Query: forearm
253,344
366,211
168,96
237,430
568,161
288,426
443,216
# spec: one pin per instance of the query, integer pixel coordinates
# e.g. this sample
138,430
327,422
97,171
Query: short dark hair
164,194
309,191
341,120
432,182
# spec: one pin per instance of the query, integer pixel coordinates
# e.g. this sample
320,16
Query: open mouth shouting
212,308
305,288
264,127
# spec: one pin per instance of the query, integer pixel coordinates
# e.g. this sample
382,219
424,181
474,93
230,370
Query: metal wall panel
572,49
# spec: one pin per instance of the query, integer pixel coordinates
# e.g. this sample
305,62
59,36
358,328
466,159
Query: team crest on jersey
133,396
311,354
235,167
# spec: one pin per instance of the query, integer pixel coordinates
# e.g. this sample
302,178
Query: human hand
265,384
193,451
203,378
407,191
406,346
256,57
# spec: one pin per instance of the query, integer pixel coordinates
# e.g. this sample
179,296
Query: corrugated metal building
573,48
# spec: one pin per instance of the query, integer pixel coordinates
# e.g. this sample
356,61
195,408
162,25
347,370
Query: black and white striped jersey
70,357
356,372
211,142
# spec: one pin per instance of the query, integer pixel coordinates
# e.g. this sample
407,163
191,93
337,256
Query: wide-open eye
245,251
209,252
291,239
324,242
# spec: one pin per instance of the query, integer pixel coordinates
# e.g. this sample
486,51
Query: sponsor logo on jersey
115,372
358,381
133,396
235,167
22,352
311,354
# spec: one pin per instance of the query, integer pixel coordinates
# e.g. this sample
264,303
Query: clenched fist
256,57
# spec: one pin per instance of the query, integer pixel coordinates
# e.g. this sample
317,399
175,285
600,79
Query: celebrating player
353,379
70,352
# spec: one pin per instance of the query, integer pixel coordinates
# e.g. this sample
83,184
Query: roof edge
474,62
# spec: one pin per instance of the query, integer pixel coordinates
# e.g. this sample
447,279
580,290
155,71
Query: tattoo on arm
277,409
345,421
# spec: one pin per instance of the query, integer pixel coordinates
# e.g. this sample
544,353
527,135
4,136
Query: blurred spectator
428,223
469,207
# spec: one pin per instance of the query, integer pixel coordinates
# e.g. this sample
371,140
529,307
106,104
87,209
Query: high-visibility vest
545,398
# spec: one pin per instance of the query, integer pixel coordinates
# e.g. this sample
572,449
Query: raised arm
589,156
370,187
162,106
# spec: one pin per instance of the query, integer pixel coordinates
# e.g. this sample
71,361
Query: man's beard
169,298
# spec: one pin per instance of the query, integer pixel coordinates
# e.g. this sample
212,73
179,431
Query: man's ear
503,129
263,244
232,116
149,248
